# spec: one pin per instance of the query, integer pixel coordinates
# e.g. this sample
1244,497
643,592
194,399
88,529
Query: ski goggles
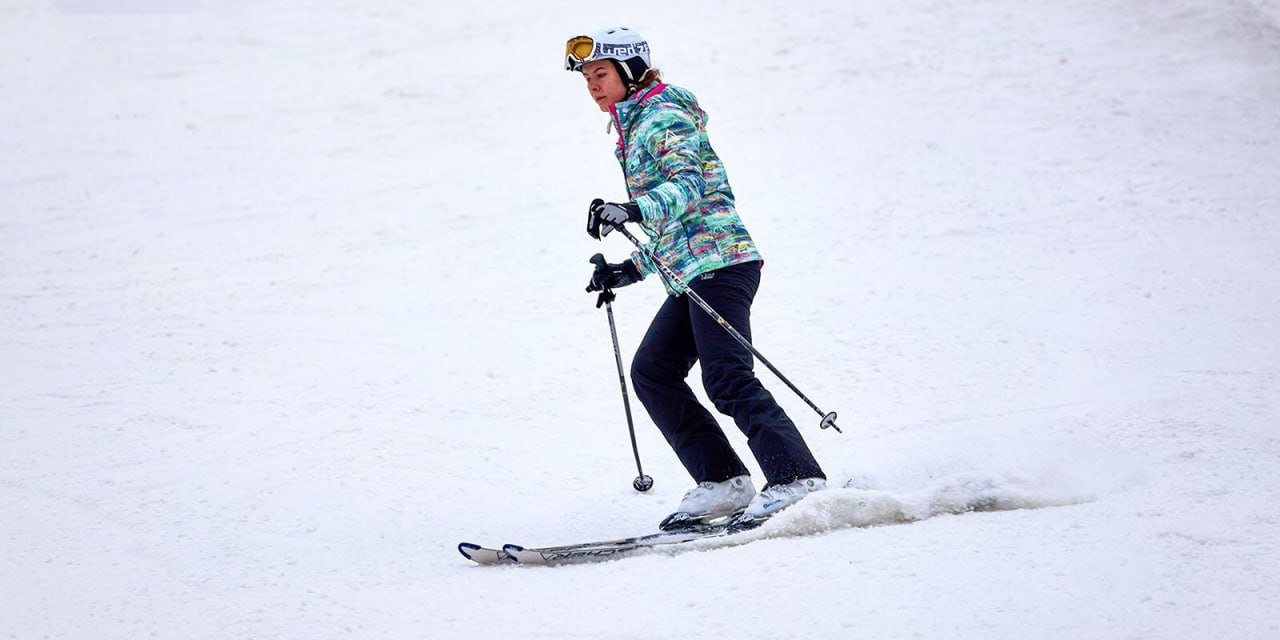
577,51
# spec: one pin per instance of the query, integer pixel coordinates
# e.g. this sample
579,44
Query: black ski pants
682,334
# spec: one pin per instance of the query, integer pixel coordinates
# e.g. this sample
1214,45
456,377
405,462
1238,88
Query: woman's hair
650,77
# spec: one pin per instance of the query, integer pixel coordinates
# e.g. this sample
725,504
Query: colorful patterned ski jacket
676,179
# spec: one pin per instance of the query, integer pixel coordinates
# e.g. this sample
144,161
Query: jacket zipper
622,139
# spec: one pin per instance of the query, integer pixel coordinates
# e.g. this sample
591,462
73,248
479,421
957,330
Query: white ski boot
711,500
777,497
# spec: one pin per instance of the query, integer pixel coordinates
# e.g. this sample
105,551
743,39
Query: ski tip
467,549
513,551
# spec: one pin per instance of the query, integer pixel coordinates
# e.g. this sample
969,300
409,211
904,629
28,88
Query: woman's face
603,83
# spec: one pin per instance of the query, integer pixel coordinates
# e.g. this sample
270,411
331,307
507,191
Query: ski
602,550
484,555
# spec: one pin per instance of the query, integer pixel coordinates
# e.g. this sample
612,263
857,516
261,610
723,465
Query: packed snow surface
292,304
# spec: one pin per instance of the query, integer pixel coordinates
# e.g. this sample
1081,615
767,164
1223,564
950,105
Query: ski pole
642,481
828,419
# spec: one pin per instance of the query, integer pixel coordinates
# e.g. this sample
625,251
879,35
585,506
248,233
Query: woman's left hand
603,216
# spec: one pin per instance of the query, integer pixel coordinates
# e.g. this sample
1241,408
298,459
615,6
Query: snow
292,304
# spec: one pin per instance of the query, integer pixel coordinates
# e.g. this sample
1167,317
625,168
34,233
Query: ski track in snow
291,303
845,507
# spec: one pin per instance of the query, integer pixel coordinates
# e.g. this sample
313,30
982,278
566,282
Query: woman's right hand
612,276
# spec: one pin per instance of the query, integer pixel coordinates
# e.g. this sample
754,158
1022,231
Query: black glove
612,276
603,216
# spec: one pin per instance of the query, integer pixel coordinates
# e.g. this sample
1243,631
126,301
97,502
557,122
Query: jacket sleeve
672,138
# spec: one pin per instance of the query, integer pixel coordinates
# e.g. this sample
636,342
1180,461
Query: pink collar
654,90
617,120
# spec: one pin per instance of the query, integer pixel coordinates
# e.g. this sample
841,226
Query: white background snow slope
292,304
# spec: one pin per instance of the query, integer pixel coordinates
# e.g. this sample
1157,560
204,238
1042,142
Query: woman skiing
679,194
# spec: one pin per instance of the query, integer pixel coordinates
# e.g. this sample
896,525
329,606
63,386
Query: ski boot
709,501
775,498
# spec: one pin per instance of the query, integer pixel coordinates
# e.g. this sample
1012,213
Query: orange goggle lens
579,49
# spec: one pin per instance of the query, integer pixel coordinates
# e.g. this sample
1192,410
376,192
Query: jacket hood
669,94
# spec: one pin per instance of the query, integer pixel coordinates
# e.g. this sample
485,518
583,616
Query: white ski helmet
626,47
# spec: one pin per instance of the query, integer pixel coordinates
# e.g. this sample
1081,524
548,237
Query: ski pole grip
606,295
